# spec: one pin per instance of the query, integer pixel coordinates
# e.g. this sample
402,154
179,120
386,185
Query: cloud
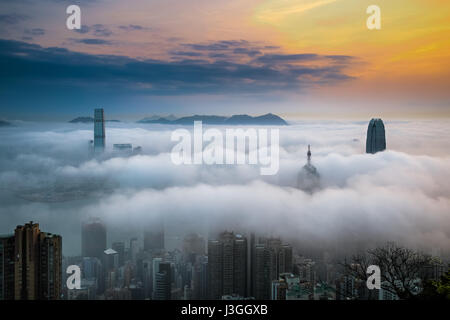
93,41
35,32
186,53
133,27
159,77
400,195
98,30
12,18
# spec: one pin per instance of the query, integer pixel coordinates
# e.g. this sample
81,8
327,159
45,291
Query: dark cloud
186,53
12,18
84,29
101,30
246,51
217,45
98,30
35,32
58,72
133,27
277,58
93,41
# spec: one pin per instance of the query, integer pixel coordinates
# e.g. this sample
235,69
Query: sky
296,58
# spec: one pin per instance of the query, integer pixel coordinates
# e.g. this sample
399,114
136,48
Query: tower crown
309,153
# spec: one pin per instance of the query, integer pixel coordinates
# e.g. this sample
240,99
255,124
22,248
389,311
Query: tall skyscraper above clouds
99,130
376,138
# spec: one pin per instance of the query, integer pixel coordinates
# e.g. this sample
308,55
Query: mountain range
87,120
242,119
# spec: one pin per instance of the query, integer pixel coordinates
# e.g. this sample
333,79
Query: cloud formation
401,194
23,62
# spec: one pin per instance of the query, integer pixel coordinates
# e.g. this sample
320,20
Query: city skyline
224,150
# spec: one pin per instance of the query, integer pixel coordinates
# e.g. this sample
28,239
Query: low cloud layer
402,194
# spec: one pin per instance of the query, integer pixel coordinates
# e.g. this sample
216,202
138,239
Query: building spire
309,154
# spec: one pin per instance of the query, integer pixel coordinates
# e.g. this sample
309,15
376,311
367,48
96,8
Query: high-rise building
376,137
271,258
30,264
163,282
134,250
119,247
261,276
99,130
154,236
227,265
193,245
200,278
93,239
111,260
7,267
50,266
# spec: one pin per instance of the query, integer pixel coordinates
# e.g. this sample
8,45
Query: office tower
99,130
37,266
119,247
250,264
50,266
308,178
227,265
134,249
93,239
193,246
111,260
154,236
200,278
376,138
271,258
155,269
163,282
7,267
91,268
261,276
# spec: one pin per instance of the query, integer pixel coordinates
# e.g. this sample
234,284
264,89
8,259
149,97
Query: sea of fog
403,194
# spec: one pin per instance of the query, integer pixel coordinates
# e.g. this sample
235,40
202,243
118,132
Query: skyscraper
154,238
376,138
119,247
99,130
271,258
308,178
93,239
7,267
227,265
31,264
50,266
163,282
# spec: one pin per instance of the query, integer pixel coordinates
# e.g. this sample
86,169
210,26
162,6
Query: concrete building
93,238
30,264
7,267
227,265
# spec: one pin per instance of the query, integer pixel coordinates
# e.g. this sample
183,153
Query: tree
437,290
403,271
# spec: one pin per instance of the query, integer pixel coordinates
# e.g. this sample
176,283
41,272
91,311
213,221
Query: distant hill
155,117
82,120
88,120
4,123
267,119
